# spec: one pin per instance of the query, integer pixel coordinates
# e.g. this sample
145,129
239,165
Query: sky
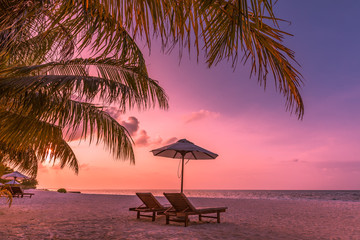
260,145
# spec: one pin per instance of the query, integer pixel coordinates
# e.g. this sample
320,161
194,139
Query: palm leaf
5,193
24,160
72,115
117,81
20,133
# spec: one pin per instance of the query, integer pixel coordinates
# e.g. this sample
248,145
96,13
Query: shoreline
56,215
241,194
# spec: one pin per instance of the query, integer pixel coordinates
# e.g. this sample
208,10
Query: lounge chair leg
167,219
153,216
199,217
218,217
138,215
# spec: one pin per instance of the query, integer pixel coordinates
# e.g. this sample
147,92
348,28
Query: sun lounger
182,208
150,205
18,192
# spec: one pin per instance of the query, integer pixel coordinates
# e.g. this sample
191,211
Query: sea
319,195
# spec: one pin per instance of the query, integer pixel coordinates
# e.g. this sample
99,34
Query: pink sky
260,146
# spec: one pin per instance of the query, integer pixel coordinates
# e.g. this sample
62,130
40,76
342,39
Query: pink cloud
84,167
144,140
170,140
345,166
132,125
42,168
202,114
114,112
74,136
157,140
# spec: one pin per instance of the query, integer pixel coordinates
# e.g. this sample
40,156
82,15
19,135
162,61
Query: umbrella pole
182,174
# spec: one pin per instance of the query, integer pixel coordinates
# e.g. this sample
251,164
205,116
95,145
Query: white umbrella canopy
14,175
184,149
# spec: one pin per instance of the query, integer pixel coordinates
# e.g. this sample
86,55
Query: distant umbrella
12,182
14,175
184,149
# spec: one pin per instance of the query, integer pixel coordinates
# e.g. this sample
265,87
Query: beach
52,215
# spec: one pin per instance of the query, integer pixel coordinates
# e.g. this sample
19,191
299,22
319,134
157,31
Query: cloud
113,111
74,136
294,161
42,168
132,125
339,165
202,114
156,140
84,167
46,168
144,140
170,140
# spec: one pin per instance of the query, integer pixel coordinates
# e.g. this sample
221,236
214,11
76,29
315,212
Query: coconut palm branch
74,116
226,29
42,96
49,98
115,81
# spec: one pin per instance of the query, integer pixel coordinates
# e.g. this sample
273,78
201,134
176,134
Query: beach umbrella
184,149
14,175
12,182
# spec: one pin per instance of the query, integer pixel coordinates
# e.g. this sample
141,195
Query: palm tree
49,90
3,191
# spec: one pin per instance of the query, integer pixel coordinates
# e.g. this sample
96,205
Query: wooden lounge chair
18,192
150,205
182,208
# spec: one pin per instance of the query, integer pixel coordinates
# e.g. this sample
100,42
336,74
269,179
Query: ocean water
320,195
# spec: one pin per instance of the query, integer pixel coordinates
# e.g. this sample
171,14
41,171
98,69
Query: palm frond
230,35
94,123
117,82
20,133
24,160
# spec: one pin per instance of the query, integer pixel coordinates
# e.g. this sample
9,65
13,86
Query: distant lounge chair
182,208
150,205
18,192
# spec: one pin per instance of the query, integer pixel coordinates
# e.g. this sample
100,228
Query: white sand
52,215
